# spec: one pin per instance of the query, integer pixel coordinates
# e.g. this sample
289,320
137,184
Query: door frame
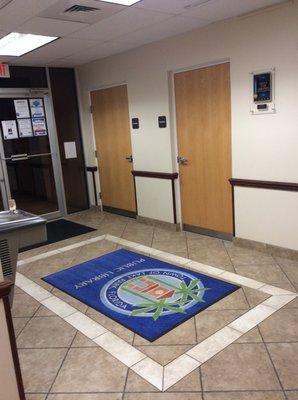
97,174
45,94
174,136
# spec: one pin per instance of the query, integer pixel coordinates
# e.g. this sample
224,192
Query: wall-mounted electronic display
262,92
162,121
135,123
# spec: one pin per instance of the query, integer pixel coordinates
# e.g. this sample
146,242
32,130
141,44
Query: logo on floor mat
153,293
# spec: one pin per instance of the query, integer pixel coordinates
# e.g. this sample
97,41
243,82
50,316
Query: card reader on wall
262,84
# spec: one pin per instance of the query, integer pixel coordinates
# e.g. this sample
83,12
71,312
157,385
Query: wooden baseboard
208,232
119,211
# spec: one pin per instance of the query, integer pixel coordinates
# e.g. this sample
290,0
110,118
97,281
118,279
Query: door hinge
95,153
91,109
99,195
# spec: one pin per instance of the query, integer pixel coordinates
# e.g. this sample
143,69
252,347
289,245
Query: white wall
264,147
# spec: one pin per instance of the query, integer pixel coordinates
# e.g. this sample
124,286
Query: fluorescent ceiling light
123,2
18,44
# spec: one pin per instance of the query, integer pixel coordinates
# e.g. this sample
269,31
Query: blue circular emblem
152,293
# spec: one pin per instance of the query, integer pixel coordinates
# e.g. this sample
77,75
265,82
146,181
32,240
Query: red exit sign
4,71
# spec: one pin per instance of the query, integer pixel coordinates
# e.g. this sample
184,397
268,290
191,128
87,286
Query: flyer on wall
36,107
25,127
39,126
9,129
22,108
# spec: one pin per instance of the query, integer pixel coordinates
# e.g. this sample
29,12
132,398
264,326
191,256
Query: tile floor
60,363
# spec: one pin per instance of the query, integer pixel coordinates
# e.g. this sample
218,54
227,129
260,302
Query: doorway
29,170
203,114
113,146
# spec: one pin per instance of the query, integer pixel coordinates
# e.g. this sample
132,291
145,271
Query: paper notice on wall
9,129
25,127
22,108
36,107
70,150
39,126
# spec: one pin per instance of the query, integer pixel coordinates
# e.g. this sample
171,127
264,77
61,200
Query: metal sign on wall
4,71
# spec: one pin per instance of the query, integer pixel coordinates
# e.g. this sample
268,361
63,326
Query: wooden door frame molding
174,131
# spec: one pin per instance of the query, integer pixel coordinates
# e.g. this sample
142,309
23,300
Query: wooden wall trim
158,175
287,186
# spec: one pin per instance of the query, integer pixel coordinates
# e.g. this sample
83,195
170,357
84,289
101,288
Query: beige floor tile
162,396
290,267
254,297
81,340
253,336
292,395
36,397
19,324
151,371
245,396
137,384
268,273
39,368
164,354
139,233
190,383
93,250
24,305
243,256
210,321
281,327
90,371
240,367
214,344
216,257
120,349
178,369
86,396
285,360
234,301
46,332
184,334
70,300
111,325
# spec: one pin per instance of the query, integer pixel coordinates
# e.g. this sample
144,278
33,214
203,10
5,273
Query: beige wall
264,147
8,383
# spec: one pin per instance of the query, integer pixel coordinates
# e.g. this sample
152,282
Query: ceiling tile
173,6
119,24
50,27
16,13
216,10
103,10
59,48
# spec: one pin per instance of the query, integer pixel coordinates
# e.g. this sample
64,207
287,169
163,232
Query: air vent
5,259
76,8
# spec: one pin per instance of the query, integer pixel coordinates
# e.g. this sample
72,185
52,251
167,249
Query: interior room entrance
113,144
203,111
29,165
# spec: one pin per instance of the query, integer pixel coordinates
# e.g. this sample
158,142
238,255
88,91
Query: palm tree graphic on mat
188,293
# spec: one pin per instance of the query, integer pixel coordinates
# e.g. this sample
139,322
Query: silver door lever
129,159
182,160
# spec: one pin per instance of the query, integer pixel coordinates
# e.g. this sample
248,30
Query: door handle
182,160
129,159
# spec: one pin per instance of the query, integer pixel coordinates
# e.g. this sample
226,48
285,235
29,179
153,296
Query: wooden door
113,145
203,109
